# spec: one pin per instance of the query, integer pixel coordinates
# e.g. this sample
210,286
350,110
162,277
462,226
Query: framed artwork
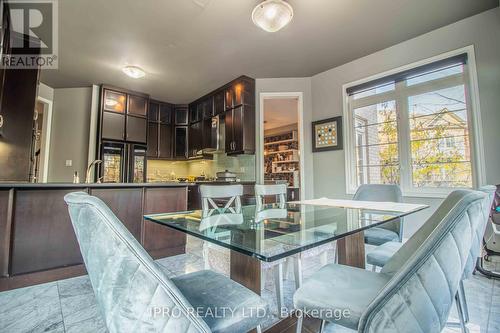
327,134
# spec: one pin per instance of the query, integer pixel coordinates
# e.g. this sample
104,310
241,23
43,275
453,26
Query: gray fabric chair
414,291
388,232
382,254
135,295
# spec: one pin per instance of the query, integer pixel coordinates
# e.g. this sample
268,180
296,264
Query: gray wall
482,31
70,133
290,85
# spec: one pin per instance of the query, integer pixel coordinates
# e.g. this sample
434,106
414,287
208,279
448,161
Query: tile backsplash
242,165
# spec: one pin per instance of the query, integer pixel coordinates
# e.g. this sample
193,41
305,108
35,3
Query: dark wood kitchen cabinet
160,139
43,237
113,126
181,114
158,240
136,129
181,142
137,105
219,107
240,130
195,139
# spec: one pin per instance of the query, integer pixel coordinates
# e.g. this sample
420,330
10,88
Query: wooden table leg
246,271
351,250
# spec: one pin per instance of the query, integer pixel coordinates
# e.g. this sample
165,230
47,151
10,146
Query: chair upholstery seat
378,236
381,255
338,287
210,292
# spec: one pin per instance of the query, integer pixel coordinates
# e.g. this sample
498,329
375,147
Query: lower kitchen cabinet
43,237
161,241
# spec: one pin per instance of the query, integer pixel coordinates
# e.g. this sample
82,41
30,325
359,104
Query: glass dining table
272,232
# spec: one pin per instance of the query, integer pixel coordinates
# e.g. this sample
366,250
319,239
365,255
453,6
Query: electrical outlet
69,163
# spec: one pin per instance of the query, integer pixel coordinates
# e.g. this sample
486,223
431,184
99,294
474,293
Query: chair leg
278,282
322,327
300,319
463,301
460,314
297,268
259,329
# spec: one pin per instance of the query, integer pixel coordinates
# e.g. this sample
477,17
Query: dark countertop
114,185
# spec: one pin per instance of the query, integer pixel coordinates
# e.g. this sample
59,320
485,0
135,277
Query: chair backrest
475,251
427,269
383,193
133,294
278,190
232,193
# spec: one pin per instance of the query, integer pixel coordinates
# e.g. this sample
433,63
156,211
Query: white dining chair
218,258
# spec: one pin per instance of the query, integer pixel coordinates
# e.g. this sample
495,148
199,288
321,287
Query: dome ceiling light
272,15
134,72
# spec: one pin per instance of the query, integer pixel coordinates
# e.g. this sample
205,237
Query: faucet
89,170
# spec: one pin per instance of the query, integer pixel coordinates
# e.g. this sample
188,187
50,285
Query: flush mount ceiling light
134,72
272,15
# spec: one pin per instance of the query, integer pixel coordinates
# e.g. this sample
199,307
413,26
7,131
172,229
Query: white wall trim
301,128
46,144
479,172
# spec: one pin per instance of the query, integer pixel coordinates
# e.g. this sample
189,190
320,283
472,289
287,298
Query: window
412,128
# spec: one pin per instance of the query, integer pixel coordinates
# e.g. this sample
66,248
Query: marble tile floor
69,305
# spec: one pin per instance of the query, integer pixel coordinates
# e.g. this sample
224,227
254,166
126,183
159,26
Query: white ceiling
190,47
279,112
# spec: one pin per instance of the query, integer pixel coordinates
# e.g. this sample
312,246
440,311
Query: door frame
47,121
301,130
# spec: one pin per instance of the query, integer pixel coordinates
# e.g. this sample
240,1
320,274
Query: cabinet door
219,103
159,240
137,105
165,146
114,101
229,97
181,115
208,108
153,112
166,111
136,129
238,129
244,93
127,206
181,137
113,126
194,139
153,137
229,125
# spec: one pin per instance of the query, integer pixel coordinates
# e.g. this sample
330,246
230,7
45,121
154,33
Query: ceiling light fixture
134,72
272,15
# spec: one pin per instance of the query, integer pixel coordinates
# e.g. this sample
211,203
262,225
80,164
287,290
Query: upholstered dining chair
414,291
383,253
392,231
217,257
135,295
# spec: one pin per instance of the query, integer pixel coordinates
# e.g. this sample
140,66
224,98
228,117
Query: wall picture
327,134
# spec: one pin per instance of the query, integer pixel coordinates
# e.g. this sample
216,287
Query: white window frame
474,124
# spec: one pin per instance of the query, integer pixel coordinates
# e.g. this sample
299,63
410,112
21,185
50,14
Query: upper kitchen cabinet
195,139
240,130
181,142
228,97
160,130
219,107
137,105
208,107
195,110
244,92
181,115
124,115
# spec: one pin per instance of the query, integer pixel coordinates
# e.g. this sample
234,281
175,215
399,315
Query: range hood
217,137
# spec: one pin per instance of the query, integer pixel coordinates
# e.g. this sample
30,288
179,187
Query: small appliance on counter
225,176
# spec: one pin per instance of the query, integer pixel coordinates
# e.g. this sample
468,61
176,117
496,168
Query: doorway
281,139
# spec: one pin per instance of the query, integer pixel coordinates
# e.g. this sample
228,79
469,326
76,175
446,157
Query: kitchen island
37,241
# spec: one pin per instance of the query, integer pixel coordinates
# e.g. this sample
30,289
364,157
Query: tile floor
69,305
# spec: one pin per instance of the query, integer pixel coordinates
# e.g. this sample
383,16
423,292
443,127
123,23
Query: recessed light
134,71
272,15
